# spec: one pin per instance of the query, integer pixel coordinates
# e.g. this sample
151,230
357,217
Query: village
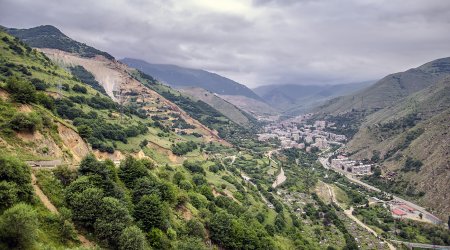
316,138
295,133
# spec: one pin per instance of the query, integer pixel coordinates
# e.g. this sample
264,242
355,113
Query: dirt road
280,179
48,204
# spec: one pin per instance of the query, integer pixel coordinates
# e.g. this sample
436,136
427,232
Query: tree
132,238
21,90
85,206
220,229
85,131
151,212
196,229
130,170
8,194
158,240
112,220
145,186
191,244
14,171
18,226
91,166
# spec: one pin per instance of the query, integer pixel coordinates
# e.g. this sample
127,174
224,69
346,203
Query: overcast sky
255,42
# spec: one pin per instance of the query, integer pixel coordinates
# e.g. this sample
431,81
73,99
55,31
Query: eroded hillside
411,141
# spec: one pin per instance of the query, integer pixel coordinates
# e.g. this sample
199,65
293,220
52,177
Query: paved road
420,245
325,164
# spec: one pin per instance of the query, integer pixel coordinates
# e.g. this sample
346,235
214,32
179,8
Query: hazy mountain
180,77
224,107
293,98
47,36
390,89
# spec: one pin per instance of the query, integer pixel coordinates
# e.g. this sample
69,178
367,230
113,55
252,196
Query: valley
99,153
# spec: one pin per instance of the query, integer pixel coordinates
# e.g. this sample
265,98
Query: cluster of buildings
295,133
342,163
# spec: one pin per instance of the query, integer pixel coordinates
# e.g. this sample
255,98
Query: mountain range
295,99
390,89
133,161
180,77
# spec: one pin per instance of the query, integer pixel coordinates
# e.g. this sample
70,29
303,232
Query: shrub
21,90
18,226
132,238
194,167
25,122
183,148
130,170
17,172
8,194
112,220
151,212
39,84
45,101
80,89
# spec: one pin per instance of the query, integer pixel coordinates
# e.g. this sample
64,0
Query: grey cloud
267,42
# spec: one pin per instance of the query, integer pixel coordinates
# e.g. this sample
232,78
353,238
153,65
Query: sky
255,42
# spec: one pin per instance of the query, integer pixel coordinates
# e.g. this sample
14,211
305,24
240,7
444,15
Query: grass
51,186
341,197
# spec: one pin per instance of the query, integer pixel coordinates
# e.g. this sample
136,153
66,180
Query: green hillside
224,107
47,36
390,89
410,139
148,200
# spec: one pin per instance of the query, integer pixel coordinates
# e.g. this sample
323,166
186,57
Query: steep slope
47,136
224,107
258,109
185,77
295,99
47,36
389,89
121,86
411,139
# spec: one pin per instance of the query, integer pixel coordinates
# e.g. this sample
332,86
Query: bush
18,226
39,84
45,101
21,90
194,167
412,165
132,238
150,213
130,170
25,122
8,194
112,220
17,172
183,148
80,89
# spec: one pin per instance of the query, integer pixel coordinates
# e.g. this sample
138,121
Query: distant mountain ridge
181,77
48,36
293,98
390,89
